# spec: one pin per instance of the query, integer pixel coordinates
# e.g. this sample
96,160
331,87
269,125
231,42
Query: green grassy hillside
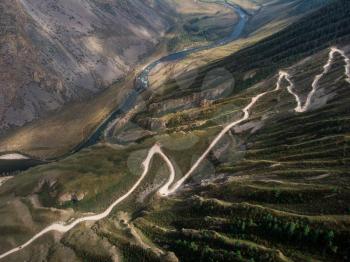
280,190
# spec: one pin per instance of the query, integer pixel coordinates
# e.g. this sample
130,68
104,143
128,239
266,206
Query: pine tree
306,231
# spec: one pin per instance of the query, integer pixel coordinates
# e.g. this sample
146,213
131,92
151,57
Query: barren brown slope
51,72
54,52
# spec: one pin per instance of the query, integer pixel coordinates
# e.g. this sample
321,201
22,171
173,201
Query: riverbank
95,119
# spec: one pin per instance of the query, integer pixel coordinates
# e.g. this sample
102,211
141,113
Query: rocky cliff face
55,51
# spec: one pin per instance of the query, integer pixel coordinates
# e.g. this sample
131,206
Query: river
141,84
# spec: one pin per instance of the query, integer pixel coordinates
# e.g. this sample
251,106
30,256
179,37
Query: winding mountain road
60,227
315,84
167,189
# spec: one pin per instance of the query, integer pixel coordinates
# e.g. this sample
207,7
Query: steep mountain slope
61,51
62,73
274,188
65,50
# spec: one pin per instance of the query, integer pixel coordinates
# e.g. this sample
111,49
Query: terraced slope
276,189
